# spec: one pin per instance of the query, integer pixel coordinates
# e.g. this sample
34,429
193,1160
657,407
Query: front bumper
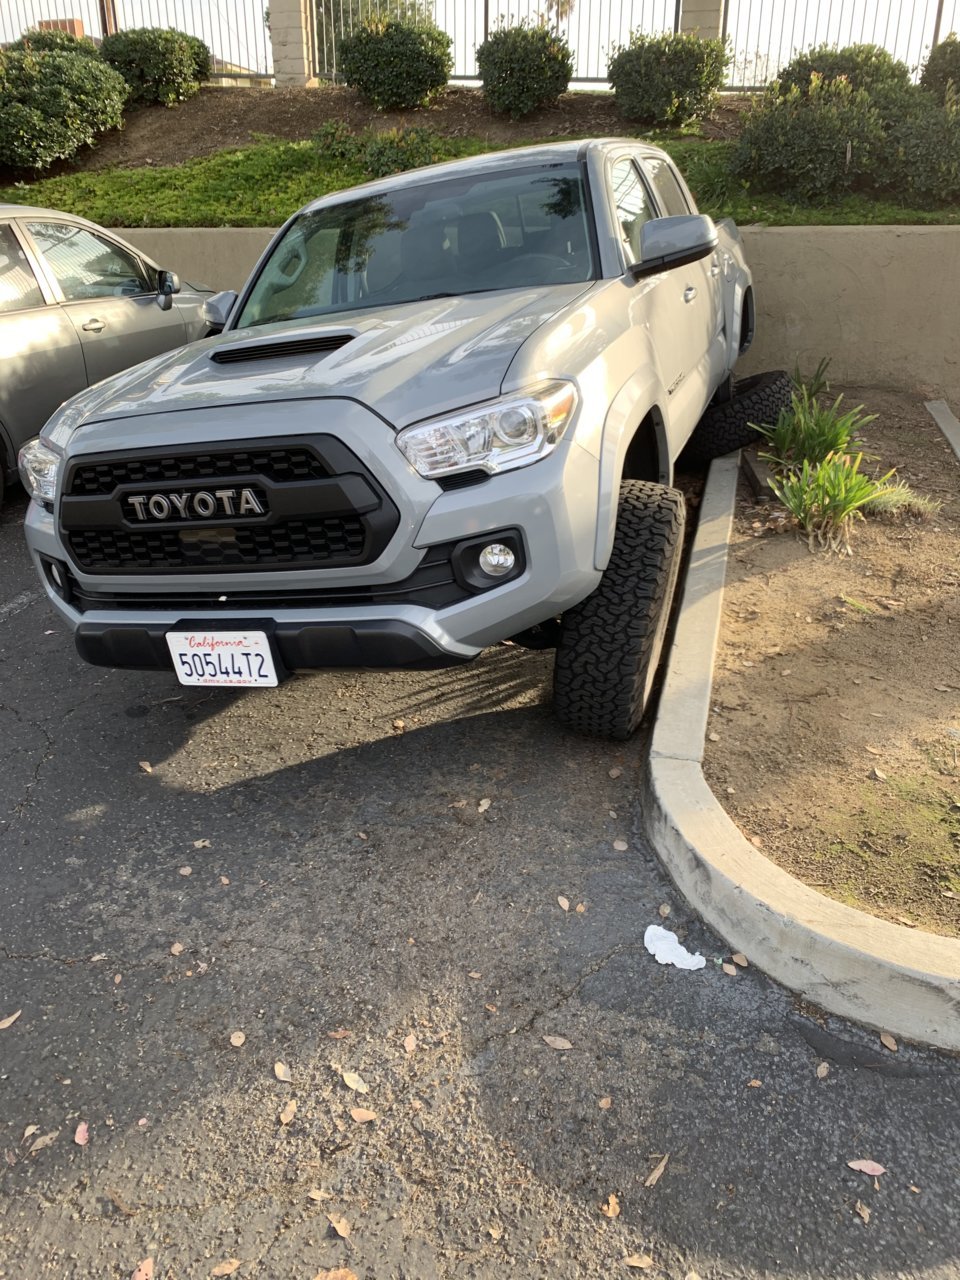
364,616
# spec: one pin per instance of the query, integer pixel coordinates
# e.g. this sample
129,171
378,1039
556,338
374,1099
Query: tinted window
632,205
18,284
468,234
87,265
669,192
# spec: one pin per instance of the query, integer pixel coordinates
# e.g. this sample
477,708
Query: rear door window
19,289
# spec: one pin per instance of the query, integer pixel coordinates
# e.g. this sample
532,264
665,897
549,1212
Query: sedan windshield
467,234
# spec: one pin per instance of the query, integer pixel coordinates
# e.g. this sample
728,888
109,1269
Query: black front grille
320,508
280,465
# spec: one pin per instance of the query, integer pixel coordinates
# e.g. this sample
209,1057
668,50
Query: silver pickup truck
444,412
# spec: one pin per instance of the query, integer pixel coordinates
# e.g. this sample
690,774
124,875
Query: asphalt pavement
360,873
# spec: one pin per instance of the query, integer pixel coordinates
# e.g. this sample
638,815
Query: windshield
506,230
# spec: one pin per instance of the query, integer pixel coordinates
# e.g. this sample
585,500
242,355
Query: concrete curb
884,975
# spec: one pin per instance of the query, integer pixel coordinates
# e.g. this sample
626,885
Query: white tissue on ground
667,949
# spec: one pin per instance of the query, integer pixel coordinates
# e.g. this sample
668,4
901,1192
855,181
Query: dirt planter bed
830,671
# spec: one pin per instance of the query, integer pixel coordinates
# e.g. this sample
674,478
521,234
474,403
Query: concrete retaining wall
882,302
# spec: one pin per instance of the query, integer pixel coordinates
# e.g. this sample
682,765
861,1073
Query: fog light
496,560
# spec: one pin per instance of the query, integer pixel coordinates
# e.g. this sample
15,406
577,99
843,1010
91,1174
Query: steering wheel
554,264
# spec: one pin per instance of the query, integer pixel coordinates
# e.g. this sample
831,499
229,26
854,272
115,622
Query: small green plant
942,68
667,79
396,65
52,104
395,150
52,40
810,432
524,68
810,146
862,66
816,384
337,141
158,64
826,498
900,500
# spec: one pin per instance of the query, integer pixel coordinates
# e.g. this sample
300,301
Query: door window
632,205
669,192
87,265
18,285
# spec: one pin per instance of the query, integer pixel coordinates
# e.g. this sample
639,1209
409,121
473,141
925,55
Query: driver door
108,295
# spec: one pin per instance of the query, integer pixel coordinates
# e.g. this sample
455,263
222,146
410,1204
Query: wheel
610,643
725,427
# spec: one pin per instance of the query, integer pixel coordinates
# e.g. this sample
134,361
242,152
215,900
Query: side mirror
673,242
216,310
168,283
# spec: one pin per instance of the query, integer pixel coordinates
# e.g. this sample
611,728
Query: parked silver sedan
77,304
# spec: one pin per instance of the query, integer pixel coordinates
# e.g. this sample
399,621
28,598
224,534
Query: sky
763,33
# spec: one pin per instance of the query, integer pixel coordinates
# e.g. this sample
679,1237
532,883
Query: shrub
943,68
825,499
810,147
158,64
52,40
336,141
667,79
863,66
809,431
523,68
51,104
396,65
400,149
202,59
921,152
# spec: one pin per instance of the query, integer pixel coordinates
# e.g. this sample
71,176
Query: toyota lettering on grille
194,504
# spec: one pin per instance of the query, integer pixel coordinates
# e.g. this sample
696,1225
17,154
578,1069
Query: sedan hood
405,362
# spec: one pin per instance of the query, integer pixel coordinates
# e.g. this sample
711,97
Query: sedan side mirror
673,242
168,283
216,310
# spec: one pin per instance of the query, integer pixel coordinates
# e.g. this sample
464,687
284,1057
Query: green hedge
159,65
667,79
524,68
51,104
943,68
863,66
396,65
53,41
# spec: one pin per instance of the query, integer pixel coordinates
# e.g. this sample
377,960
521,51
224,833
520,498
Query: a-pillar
291,33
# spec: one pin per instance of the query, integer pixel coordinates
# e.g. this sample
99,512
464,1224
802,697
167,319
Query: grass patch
260,185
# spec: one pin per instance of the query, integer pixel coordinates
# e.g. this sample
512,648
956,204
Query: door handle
94,326
689,293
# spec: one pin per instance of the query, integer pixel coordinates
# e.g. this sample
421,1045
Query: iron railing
235,30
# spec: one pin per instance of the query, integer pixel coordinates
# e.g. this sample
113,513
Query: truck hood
405,362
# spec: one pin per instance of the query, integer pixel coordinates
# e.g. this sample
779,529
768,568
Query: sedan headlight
39,468
498,436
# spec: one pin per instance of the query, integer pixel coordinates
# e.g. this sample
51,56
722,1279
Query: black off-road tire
726,427
610,643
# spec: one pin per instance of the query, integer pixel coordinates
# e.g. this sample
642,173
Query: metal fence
235,30
765,34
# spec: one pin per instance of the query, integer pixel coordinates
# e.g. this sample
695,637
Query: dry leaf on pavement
282,1072
861,1209
288,1112
203,844
653,1178
754,1084
484,805
614,773
663,910
339,1034
143,1270
869,1167
29,1131
338,1273
316,1194
409,1043
227,1268
8,1022
177,949
362,1115
823,1070
186,871
739,958
355,1082
640,1261
340,1225
557,1042
44,1141
888,1041
611,1209
564,903
147,767
605,1104
730,969
237,1038
580,908
621,846
474,973
82,1135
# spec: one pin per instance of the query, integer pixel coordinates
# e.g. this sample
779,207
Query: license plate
237,658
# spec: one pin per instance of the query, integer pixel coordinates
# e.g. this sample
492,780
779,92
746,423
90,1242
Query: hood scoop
267,349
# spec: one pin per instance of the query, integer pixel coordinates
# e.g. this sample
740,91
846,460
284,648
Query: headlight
39,467
499,436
